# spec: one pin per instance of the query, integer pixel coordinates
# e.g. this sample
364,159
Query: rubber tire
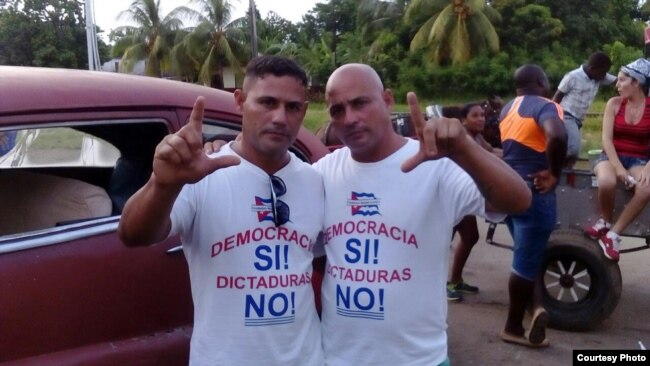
570,246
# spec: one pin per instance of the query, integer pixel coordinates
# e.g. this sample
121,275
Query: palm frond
459,44
418,8
131,56
421,38
483,28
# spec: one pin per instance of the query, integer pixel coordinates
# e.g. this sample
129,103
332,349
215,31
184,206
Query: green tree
532,28
317,59
377,20
215,43
275,29
455,30
644,10
587,26
334,18
151,39
621,55
375,17
50,33
591,25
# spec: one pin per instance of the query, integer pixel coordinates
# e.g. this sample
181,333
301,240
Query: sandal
522,340
537,332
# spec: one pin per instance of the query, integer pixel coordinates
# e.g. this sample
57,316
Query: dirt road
475,323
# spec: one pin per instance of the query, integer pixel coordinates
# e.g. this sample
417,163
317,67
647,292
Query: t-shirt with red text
251,281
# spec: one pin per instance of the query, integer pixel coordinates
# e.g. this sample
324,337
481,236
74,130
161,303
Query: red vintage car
74,145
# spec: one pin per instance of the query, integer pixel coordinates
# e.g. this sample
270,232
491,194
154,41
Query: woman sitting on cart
626,145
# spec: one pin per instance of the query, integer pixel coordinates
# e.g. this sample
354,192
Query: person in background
492,107
534,145
7,141
576,93
248,218
626,138
391,204
472,117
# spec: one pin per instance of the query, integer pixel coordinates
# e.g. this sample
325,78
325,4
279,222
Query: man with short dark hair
576,93
248,217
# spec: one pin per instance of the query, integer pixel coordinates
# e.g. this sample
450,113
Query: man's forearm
145,218
556,153
504,190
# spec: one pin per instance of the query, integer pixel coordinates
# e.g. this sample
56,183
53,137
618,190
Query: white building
114,66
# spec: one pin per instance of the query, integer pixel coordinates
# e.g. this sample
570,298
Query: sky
106,10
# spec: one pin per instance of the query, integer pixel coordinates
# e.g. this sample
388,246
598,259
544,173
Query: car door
70,292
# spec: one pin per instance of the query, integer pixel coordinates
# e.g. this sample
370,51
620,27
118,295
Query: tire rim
567,280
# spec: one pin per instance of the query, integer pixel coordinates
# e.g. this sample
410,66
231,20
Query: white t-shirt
387,236
580,91
251,282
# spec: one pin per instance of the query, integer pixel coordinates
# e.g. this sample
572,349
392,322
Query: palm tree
453,30
378,20
378,16
151,38
214,44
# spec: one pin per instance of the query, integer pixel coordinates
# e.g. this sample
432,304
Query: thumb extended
221,162
410,163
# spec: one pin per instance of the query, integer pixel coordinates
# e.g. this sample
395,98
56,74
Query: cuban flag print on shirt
364,204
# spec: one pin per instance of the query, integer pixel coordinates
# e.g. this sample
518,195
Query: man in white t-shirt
248,218
391,204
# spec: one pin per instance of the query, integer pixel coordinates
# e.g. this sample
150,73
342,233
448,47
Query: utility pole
251,6
91,36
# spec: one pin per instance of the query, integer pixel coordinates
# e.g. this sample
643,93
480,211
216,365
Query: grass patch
317,115
58,138
592,128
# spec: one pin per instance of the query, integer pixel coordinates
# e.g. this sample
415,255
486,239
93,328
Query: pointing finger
196,118
416,114
222,162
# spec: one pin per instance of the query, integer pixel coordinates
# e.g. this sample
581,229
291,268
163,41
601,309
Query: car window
73,174
62,146
219,130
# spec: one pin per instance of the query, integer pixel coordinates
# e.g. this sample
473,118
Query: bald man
391,204
534,144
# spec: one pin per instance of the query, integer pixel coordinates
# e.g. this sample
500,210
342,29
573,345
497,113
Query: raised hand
179,158
439,137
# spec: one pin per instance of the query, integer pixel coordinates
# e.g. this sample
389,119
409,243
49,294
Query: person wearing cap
626,138
576,93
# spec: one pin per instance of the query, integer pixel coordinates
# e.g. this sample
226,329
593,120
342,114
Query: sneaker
598,230
452,294
609,244
464,288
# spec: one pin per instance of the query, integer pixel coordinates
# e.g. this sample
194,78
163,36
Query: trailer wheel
580,287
